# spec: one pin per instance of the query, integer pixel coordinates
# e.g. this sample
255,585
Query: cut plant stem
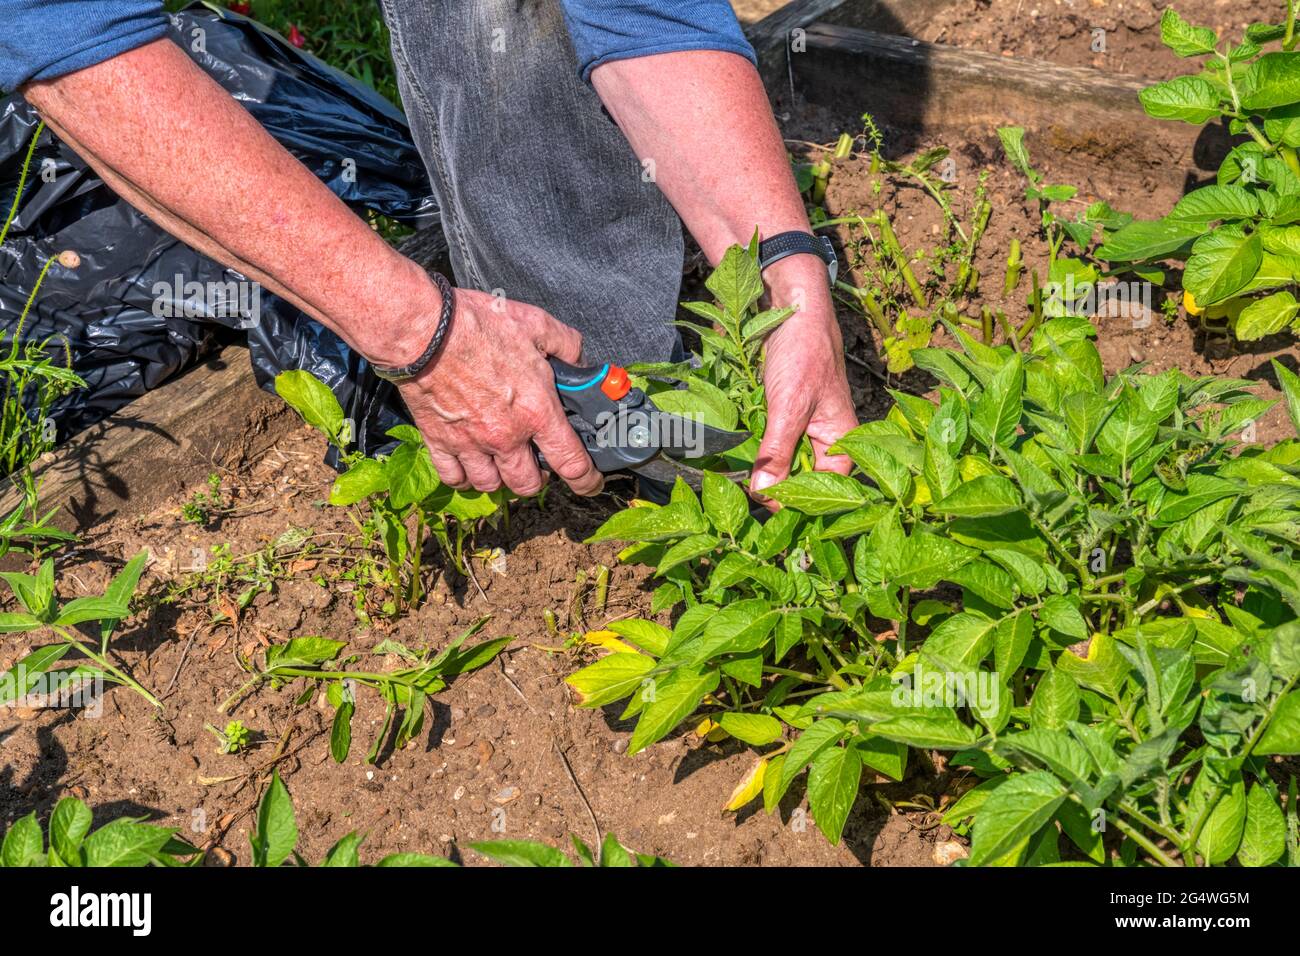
1015,266
602,587
867,302
901,261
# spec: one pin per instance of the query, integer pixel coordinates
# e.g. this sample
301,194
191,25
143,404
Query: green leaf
1266,316
69,825
982,496
1223,830
1283,733
341,731
1013,143
687,549
928,559
11,622
1183,38
126,842
1271,81
819,493
1143,240
997,411
1263,840
1060,614
832,788
1014,812
1289,382
884,469
822,734
80,610
1222,264
26,674
1055,702
964,639
303,652
365,478
344,853
757,730
1011,641
646,635
1187,98
652,523
1214,203
409,474
313,400
413,860
725,505
521,853
673,699
23,845
736,282
276,835
935,728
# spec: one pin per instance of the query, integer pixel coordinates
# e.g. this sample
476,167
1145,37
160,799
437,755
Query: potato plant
1240,236
405,500
1084,589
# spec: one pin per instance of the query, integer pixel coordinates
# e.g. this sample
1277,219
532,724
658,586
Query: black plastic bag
125,311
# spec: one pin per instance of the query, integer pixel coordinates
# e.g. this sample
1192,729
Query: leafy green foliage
529,853
1239,236
1086,589
126,841
38,672
722,388
406,690
401,491
31,376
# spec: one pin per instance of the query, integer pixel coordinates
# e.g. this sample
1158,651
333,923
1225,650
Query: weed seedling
405,690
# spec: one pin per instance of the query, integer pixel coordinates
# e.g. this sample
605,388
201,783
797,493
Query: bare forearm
703,118
178,147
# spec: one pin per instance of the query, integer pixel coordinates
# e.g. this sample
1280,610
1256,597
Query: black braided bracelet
402,373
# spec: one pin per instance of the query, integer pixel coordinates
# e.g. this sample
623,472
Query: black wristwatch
402,373
795,243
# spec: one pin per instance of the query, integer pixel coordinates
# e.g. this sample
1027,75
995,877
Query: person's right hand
490,392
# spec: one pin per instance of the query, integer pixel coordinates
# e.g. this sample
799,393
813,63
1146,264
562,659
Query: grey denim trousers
543,200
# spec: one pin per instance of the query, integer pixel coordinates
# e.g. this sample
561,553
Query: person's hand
806,386
490,392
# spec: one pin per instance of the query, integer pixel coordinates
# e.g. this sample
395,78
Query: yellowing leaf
750,786
609,641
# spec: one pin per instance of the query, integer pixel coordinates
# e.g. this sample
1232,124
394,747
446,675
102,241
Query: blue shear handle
574,378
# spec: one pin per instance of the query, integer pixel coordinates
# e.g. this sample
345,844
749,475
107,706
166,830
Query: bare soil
1061,31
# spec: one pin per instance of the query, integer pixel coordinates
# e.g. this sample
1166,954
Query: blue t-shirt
42,39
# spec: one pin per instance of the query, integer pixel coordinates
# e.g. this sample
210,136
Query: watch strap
786,244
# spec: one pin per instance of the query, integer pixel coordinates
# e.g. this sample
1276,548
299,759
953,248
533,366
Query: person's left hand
806,386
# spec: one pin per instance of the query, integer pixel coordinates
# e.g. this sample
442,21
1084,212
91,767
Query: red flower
243,9
296,37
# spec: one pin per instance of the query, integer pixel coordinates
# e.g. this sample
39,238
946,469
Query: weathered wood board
212,416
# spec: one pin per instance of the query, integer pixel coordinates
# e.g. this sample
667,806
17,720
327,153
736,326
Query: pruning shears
623,430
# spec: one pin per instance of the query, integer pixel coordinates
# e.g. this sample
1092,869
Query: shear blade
681,437
667,470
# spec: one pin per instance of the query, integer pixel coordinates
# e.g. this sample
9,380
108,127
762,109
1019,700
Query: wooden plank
1084,117
770,36
213,415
